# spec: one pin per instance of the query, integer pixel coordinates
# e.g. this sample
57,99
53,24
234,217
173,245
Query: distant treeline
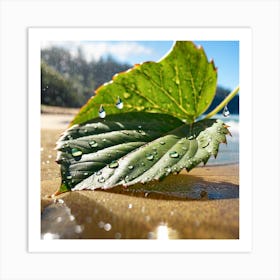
69,81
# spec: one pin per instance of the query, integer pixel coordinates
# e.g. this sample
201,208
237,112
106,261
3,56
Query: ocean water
228,153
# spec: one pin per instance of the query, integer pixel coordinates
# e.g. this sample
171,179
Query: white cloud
121,51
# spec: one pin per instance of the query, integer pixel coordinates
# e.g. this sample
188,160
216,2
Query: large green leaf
128,148
182,84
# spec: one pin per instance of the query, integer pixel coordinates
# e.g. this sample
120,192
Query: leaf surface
182,84
129,148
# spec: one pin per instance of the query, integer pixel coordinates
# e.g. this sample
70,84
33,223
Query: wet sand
200,204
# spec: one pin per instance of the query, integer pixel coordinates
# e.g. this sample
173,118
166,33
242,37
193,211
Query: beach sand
200,204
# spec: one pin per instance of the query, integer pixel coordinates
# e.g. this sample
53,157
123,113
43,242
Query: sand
200,204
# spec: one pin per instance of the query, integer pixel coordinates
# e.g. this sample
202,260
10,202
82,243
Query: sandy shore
203,203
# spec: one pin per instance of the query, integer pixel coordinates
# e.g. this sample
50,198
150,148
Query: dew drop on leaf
142,132
168,169
162,142
149,156
119,103
101,180
174,154
101,112
113,164
76,152
93,144
130,167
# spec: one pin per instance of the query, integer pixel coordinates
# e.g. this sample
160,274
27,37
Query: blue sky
224,53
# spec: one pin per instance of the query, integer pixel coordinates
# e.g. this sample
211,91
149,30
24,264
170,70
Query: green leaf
182,84
128,148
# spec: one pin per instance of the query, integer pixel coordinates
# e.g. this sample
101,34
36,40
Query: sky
224,53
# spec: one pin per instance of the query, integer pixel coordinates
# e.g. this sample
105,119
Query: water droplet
167,169
226,112
162,142
126,179
149,156
130,205
130,167
49,236
101,180
93,143
60,201
191,137
101,224
107,227
86,174
142,132
174,154
69,177
98,173
114,164
101,112
119,103
71,218
118,235
76,152
139,126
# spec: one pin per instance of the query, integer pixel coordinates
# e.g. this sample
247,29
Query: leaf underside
182,84
129,148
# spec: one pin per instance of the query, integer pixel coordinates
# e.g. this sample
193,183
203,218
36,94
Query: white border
36,36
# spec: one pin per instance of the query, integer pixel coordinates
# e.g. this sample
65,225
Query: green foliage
182,84
156,133
129,148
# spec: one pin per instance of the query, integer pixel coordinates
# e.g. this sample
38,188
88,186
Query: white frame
262,262
37,35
